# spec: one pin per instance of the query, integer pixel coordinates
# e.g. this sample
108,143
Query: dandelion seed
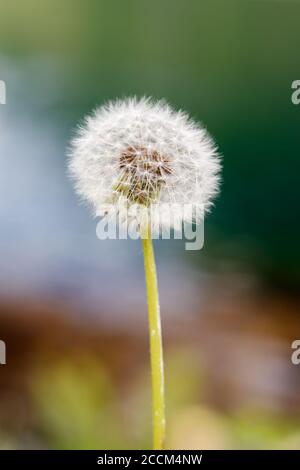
142,152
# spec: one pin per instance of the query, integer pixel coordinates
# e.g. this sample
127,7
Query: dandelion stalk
156,350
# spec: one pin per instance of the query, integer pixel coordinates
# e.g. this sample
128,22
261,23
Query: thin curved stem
156,350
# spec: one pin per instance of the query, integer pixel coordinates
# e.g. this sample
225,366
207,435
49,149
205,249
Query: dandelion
144,154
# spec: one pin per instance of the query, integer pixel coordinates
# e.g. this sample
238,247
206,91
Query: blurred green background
72,308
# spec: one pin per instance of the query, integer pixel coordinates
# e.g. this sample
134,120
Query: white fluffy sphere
143,153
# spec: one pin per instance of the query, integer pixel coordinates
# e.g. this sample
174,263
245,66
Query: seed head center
143,173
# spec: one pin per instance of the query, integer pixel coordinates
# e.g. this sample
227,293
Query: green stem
156,351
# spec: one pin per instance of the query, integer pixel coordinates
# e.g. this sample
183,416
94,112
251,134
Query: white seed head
141,153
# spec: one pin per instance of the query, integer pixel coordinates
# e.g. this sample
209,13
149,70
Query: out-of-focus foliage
77,406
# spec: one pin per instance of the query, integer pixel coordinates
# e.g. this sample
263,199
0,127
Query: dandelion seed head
141,152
